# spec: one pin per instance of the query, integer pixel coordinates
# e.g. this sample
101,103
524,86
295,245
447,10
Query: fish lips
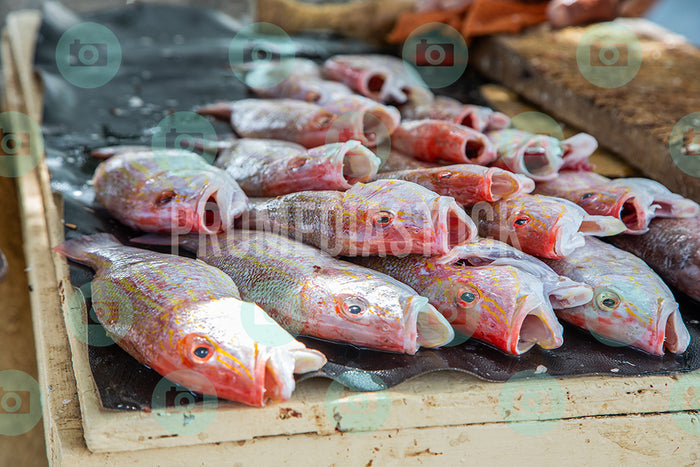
534,323
218,205
452,224
424,325
670,332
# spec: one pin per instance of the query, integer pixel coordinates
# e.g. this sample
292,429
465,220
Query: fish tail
84,249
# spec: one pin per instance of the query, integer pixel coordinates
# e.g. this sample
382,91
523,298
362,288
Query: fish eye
198,348
586,195
444,175
607,300
353,306
201,351
521,220
466,297
382,219
165,197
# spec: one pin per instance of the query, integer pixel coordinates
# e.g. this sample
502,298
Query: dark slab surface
175,58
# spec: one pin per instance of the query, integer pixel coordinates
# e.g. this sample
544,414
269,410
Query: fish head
634,310
499,304
314,127
224,355
397,217
373,310
468,182
538,156
634,209
190,200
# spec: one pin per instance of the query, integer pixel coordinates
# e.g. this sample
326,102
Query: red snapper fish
266,167
635,201
391,217
173,313
540,157
562,291
501,305
436,140
165,191
446,108
311,293
541,225
631,305
376,121
671,247
468,184
383,78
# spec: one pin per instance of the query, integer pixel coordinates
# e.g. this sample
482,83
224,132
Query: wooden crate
434,419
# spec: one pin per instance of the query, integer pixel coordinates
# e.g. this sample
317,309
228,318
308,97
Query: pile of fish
302,228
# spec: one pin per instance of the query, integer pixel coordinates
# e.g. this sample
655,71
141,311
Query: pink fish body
631,305
384,217
434,140
265,167
173,313
313,294
500,305
468,184
541,225
446,108
540,157
167,191
376,121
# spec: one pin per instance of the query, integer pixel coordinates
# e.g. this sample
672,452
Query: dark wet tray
175,58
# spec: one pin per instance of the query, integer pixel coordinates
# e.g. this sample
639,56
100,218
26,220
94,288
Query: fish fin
82,249
601,226
221,110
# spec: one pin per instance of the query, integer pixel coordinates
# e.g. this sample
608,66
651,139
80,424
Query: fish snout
671,333
452,224
535,323
635,210
565,238
276,366
218,206
424,325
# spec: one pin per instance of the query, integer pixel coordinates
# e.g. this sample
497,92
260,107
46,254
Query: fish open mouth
281,365
601,226
359,163
452,225
218,207
634,212
566,238
374,84
502,184
535,324
570,295
425,326
672,333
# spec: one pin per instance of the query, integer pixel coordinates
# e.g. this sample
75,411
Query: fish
166,191
301,122
541,157
635,201
266,167
631,305
501,305
397,161
391,217
384,78
562,291
468,184
437,140
302,81
541,225
446,108
376,121
311,293
671,247
3,266
173,313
